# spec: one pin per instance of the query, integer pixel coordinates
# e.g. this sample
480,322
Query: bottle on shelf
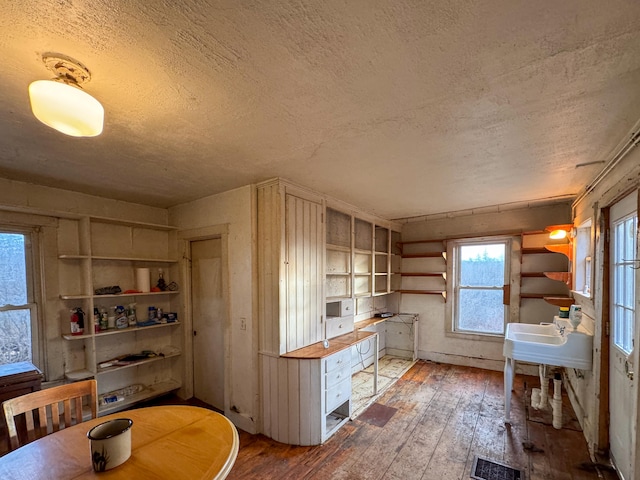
131,314
96,319
104,319
121,317
77,321
162,285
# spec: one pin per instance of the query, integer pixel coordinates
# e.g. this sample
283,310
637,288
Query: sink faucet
561,329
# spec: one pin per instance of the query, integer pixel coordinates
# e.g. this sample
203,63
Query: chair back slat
78,410
46,405
55,418
32,426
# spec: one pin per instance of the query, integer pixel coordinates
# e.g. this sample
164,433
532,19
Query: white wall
435,343
235,209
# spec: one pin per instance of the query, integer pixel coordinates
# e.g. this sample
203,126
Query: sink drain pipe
539,396
556,403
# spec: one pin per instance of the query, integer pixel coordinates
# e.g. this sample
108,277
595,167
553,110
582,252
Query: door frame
185,237
603,410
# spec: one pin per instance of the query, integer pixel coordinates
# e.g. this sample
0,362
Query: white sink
547,344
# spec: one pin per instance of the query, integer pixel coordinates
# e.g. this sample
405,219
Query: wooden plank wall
304,257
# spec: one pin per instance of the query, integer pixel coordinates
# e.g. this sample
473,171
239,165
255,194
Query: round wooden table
173,442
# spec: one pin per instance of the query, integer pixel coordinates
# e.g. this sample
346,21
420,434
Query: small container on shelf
77,321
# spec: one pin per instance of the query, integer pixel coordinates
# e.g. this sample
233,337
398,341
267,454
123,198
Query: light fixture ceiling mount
61,104
66,68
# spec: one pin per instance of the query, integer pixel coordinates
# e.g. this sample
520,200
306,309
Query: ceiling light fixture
61,103
558,232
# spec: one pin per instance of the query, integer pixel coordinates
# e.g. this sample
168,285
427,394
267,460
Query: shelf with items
149,391
424,264
117,331
95,253
64,256
136,363
119,295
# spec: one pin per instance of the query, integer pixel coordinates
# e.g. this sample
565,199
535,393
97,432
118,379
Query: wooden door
209,319
622,391
304,258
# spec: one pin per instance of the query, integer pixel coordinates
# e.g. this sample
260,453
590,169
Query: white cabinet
95,253
309,393
290,274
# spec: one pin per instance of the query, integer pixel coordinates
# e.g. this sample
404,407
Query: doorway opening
209,320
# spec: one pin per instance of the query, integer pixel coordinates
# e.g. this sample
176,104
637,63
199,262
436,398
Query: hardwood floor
438,418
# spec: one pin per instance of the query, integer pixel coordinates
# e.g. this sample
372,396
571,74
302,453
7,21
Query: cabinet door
304,261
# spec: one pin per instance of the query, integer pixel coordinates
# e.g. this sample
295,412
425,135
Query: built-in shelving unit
544,274
360,259
424,264
99,252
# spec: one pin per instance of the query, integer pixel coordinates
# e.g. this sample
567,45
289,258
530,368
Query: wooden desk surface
173,442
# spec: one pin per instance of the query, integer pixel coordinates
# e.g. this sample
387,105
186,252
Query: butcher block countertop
336,344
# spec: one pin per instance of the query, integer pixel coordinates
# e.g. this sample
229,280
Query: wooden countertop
336,345
369,321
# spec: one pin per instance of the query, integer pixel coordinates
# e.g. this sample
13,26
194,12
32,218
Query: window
583,259
18,310
623,283
481,270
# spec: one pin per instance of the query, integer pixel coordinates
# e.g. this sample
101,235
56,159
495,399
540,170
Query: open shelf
158,358
425,274
118,295
425,255
149,392
425,292
77,375
565,248
119,330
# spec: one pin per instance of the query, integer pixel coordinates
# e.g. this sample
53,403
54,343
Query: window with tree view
481,273
17,308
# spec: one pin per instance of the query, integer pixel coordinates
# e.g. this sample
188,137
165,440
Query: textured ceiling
401,107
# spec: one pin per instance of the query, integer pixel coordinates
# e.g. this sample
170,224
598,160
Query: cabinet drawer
337,360
338,375
340,308
337,395
337,326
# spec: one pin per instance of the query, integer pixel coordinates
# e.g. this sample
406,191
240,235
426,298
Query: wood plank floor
438,418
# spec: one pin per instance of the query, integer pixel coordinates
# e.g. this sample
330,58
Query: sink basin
545,344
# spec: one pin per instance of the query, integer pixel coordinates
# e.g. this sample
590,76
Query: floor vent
484,469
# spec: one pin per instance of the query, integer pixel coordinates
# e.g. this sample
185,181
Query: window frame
456,245
583,263
32,236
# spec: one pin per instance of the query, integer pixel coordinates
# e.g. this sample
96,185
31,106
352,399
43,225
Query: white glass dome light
61,104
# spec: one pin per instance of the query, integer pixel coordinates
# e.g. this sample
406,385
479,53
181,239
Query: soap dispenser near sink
559,344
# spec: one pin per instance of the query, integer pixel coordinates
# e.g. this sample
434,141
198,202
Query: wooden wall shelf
564,248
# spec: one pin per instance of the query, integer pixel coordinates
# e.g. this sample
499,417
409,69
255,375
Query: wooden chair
42,413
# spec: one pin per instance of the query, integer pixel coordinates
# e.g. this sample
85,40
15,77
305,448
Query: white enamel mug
110,443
